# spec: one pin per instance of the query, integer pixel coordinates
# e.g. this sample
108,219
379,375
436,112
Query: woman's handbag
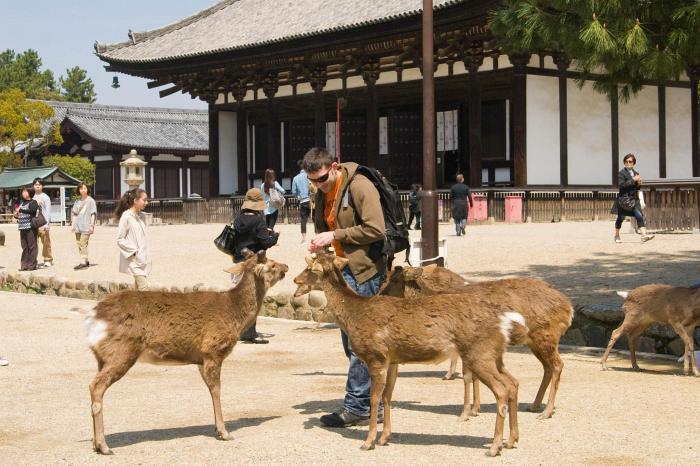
276,198
226,241
38,220
627,202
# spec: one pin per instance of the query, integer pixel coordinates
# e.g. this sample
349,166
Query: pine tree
619,43
77,87
23,71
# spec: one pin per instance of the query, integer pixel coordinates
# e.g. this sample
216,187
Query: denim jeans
459,224
621,217
357,388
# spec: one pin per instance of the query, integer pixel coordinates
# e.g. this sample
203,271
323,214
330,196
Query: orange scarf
329,211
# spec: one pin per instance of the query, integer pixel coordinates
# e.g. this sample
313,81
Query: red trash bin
479,211
514,209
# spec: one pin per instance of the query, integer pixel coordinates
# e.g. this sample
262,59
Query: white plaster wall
542,101
679,163
228,153
639,131
589,141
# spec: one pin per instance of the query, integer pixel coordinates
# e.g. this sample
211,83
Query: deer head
266,271
318,267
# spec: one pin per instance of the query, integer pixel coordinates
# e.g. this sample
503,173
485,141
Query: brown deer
386,331
674,305
175,328
547,312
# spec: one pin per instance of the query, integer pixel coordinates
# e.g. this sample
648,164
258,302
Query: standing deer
547,312
387,331
200,327
674,305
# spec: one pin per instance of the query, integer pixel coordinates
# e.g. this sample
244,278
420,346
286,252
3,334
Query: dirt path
273,395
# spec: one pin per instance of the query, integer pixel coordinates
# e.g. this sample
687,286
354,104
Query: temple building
280,77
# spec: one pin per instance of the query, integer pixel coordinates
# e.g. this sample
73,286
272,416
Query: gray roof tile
239,24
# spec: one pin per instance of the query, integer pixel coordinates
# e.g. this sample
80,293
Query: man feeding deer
348,215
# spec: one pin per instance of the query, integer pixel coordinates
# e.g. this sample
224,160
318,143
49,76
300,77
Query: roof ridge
132,118
86,106
157,32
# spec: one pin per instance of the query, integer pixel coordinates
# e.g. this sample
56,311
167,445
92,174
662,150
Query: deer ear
261,269
428,269
309,260
340,262
235,269
261,257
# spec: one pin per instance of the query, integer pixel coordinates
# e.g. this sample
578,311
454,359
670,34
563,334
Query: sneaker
47,264
82,265
618,240
646,238
4,362
346,419
255,341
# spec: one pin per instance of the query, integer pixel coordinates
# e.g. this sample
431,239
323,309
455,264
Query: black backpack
396,236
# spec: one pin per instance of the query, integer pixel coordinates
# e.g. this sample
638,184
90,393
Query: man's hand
637,178
320,241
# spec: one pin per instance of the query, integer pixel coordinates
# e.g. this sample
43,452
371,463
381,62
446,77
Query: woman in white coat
134,257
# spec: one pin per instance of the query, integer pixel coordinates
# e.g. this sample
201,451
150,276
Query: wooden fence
671,205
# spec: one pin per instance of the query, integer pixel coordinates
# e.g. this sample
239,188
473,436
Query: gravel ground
579,258
273,395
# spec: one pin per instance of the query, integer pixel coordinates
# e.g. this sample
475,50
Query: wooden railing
671,205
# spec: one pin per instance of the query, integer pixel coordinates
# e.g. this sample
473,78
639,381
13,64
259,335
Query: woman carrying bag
253,235
627,203
273,200
28,231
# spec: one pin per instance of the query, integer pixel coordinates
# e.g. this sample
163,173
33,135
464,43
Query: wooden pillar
662,131
116,159
519,118
694,75
242,138
615,134
562,63
147,175
370,74
318,82
213,151
472,62
270,87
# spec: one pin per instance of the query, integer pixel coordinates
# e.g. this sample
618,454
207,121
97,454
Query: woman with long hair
627,203
24,213
134,257
83,216
270,182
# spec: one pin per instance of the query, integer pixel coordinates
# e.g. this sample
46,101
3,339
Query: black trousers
304,212
271,219
30,248
411,215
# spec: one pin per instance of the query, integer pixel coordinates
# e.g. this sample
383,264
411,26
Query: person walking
300,189
627,203
460,194
414,205
271,211
134,256
252,234
356,231
44,202
24,213
83,216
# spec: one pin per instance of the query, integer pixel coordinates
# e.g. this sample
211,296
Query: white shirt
44,202
134,257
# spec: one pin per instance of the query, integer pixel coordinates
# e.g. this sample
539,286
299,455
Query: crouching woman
134,257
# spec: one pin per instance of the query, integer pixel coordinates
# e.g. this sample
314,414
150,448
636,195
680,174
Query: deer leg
546,378
689,366
476,406
617,333
467,376
689,330
632,339
557,366
452,371
497,383
211,374
512,386
388,391
109,372
378,375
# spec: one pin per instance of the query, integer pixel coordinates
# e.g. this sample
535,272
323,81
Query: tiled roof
18,177
138,127
240,24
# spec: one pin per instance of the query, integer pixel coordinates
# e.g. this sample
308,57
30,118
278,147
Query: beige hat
254,200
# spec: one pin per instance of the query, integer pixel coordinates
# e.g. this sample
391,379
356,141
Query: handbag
226,241
627,202
276,198
38,220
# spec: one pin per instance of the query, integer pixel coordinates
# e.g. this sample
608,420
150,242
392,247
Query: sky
64,32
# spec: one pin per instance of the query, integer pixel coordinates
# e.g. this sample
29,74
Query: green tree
73,165
23,71
77,87
9,160
621,43
26,122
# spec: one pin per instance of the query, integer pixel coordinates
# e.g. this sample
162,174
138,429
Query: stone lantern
135,170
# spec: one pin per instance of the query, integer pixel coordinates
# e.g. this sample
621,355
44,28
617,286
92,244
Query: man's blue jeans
357,388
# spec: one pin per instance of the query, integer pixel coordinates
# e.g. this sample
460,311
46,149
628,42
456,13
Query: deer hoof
511,442
366,447
494,451
104,450
384,441
545,415
474,411
225,436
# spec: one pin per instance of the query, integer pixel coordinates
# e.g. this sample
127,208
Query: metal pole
429,232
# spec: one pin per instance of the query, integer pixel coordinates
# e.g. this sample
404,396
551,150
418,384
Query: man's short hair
317,158
38,180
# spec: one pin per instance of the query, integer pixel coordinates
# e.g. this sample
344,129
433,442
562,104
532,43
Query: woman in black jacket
24,213
460,194
252,235
627,202
414,207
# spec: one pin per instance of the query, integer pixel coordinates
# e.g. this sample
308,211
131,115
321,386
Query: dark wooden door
199,181
405,148
167,182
